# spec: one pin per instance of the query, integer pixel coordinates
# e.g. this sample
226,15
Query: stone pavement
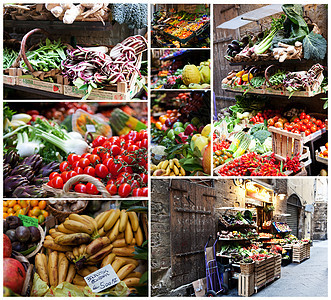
308,279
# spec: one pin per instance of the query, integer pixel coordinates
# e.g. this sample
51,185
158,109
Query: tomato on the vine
53,175
115,150
89,171
99,141
112,189
84,162
80,188
75,164
101,170
137,192
124,190
79,170
64,176
64,166
94,158
71,174
86,155
144,178
57,182
91,189
145,192
72,158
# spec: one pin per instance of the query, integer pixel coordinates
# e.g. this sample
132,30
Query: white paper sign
102,279
90,128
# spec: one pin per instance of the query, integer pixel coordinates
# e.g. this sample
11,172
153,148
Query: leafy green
262,135
7,112
314,46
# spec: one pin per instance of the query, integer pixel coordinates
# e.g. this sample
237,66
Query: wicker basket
247,268
61,215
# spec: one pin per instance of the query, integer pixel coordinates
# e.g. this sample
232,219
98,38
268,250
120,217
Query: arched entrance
293,208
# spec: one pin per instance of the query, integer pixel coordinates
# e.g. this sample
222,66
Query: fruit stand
61,60
181,69
73,150
267,71
180,134
175,25
77,241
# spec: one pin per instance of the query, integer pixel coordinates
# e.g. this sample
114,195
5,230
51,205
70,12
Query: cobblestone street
308,279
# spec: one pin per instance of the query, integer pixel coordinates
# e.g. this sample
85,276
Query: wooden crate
10,80
40,85
247,269
260,275
246,285
298,253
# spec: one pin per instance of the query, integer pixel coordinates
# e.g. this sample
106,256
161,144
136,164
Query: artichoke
6,170
24,170
46,170
29,191
12,182
11,158
35,161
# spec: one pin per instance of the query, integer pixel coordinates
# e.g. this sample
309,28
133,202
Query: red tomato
114,168
98,150
313,120
80,188
89,171
318,122
71,174
101,170
75,164
133,148
64,166
53,175
132,135
309,124
321,126
112,189
307,132
91,189
79,170
124,190
137,192
313,128
86,155
144,178
115,140
64,176
306,121
84,162
302,116
135,184
145,192
94,158
297,131
99,141
127,169
307,117
72,158
107,162
144,143
115,150
304,127
296,120
138,144
120,180
57,182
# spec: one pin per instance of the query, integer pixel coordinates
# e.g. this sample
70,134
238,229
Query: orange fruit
30,213
34,203
23,203
36,211
325,153
17,207
11,203
5,215
5,203
5,209
10,210
327,145
45,213
20,212
10,214
41,219
42,204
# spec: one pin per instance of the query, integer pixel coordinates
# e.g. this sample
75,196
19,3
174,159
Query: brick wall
320,223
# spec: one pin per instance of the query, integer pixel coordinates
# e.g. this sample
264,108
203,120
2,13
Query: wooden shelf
287,62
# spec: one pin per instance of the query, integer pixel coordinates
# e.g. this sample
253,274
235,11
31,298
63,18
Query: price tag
28,221
102,279
90,128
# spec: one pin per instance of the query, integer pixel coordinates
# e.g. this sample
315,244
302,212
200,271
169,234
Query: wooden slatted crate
246,285
298,253
260,274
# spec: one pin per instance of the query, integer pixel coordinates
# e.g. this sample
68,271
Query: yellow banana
102,232
82,249
164,164
102,218
182,171
125,271
113,217
41,267
97,245
108,260
128,233
63,266
100,255
71,273
56,247
158,167
123,220
61,228
53,269
176,161
77,227
133,220
79,280
176,170
73,239
114,232
117,264
92,221
139,236
171,163
75,252
167,173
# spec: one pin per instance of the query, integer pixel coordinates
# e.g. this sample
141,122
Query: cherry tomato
306,121
107,162
75,164
137,192
307,132
86,155
89,171
144,143
79,170
64,166
133,148
296,120
71,174
145,192
304,127
53,175
124,190
313,120
64,176
91,189
72,158
309,124
112,189
114,168
120,180
115,150
302,116
101,170
94,158
80,188
144,178
84,162
318,122
57,182
135,184
99,141
115,140
127,169
111,181
100,151
308,117
322,126
313,128
132,135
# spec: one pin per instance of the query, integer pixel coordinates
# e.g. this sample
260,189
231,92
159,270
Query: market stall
71,150
181,69
180,26
50,51
82,248
180,134
263,132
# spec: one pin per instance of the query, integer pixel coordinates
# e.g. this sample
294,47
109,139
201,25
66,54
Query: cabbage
267,145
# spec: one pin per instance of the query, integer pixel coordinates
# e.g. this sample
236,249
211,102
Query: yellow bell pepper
245,77
240,73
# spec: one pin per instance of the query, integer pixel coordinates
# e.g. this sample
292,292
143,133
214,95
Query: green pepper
171,134
178,130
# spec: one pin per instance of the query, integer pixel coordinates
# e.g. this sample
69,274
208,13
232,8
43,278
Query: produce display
181,70
171,28
78,246
238,220
41,156
257,78
289,37
281,227
181,141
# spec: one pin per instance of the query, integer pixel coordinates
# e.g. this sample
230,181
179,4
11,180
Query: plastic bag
66,289
39,287
82,122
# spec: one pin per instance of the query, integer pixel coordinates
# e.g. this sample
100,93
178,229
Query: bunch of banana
170,167
113,222
54,268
